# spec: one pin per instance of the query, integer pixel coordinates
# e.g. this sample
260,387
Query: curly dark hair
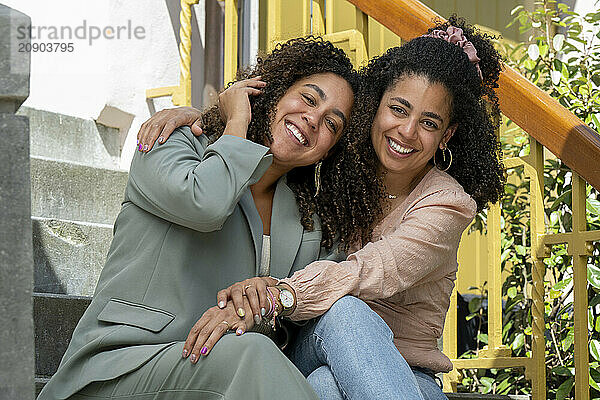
477,158
286,64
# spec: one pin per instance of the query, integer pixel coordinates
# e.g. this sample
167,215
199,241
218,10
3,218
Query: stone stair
76,192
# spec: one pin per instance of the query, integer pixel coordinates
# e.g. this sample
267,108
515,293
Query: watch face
287,298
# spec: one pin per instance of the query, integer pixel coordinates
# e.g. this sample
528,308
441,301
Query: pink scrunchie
455,36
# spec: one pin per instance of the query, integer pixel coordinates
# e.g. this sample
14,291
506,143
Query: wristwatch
287,300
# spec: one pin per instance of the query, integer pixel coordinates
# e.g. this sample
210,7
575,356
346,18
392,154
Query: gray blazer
188,227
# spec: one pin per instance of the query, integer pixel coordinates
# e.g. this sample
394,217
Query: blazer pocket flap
119,311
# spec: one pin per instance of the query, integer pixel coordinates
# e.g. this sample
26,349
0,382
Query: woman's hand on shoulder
162,124
253,291
234,105
213,324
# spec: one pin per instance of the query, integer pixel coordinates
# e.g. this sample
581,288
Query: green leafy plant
562,57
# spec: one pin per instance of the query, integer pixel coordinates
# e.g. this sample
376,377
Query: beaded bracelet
274,309
271,299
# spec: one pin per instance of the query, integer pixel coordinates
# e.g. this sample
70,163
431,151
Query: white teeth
297,133
398,148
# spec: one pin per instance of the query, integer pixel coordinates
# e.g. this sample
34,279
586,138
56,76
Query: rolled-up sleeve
425,239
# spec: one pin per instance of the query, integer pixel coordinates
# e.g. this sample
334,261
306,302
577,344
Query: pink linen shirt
406,274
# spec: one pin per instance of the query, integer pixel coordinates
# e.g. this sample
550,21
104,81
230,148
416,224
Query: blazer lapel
286,230
255,223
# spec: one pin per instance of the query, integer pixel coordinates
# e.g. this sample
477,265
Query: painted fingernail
256,319
263,311
140,147
204,350
145,147
239,331
161,139
241,312
185,353
193,358
221,304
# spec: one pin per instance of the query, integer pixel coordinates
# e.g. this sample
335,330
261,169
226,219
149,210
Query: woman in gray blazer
199,225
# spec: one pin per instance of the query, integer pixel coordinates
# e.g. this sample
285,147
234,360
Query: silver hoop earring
444,159
318,178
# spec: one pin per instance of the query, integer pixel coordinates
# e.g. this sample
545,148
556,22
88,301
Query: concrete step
55,317
75,192
68,255
68,138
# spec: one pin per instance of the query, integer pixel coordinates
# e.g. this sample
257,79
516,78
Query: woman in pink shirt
428,133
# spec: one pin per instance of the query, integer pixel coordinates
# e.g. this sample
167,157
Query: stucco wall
113,72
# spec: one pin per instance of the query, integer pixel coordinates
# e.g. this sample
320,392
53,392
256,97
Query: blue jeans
349,354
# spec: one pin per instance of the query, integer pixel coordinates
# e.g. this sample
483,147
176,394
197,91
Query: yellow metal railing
519,99
181,95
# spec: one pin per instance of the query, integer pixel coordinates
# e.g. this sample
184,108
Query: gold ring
226,323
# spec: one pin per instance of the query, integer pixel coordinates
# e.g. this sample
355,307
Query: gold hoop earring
444,159
318,178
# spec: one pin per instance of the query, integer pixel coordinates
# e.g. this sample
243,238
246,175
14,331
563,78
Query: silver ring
226,323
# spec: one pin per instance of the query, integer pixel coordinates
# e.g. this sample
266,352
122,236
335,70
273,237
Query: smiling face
309,120
410,125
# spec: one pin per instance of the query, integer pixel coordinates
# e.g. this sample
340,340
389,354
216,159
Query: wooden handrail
540,115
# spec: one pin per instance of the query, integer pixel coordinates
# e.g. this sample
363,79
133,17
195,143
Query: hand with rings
213,324
253,290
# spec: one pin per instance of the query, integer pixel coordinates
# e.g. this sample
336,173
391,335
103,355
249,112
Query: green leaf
562,285
593,275
563,198
487,383
515,10
483,338
558,41
562,370
475,304
564,389
518,342
594,378
567,341
594,384
593,205
595,349
521,250
533,51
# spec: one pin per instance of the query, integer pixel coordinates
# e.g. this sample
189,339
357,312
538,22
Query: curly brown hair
286,64
477,158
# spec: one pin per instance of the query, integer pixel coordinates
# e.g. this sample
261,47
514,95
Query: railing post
534,165
274,23
318,17
494,347
580,251
451,379
184,95
231,41
362,25
181,95
16,255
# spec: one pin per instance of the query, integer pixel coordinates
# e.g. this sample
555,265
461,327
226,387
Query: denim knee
350,312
